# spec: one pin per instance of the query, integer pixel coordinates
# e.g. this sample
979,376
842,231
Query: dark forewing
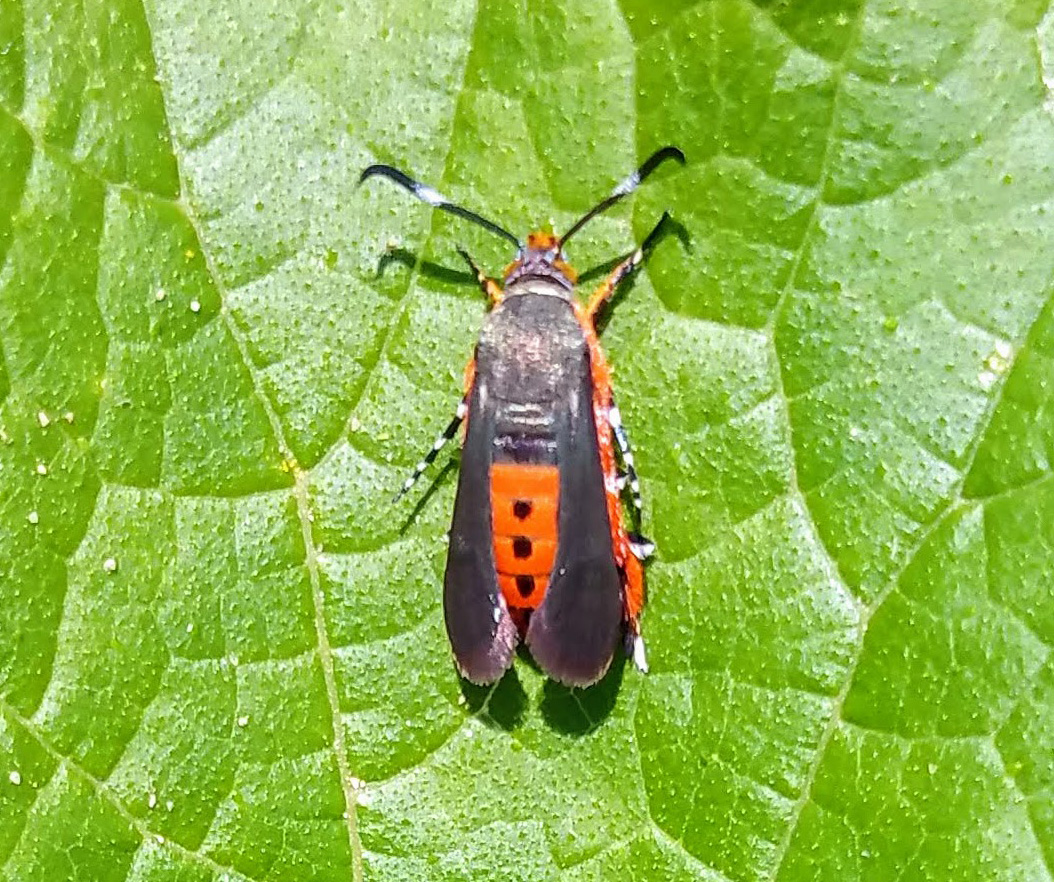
574,633
482,634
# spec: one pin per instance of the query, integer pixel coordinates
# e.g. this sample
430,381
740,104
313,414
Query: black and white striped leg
449,432
643,548
626,452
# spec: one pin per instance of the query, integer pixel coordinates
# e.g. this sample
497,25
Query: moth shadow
433,486
503,704
670,227
578,712
408,259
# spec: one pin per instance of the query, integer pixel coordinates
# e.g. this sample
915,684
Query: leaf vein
304,515
100,787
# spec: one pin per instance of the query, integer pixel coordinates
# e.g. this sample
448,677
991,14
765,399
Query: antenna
626,186
436,199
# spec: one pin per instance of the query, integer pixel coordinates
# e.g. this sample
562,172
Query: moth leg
607,288
440,442
489,287
633,646
642,548
633,606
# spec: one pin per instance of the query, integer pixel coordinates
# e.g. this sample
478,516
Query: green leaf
223,654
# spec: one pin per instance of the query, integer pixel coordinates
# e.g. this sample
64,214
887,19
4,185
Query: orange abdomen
524,500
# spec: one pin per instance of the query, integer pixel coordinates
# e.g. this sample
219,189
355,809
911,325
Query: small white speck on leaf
151,801
987,379
159,839
363,798
355,424
33,517
169,805
15,777
243,721
998,361
68,417
195,306
159,294
41,469
190,627
43,419
110,565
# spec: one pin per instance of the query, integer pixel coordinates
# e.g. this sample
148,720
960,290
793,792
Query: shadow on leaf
580,711
502,704
670,227
408,259
438,481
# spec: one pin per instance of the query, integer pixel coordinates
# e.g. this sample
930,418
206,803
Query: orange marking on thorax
539,240
524,501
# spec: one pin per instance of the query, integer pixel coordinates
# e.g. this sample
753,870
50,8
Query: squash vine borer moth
538,547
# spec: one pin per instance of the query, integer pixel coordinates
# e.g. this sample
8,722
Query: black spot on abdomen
525,585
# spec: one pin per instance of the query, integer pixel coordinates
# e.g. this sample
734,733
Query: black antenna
436,199
625,187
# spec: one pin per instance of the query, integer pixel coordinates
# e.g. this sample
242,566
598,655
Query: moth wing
574,633
481,631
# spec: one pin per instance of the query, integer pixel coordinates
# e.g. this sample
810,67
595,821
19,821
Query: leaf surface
224,655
